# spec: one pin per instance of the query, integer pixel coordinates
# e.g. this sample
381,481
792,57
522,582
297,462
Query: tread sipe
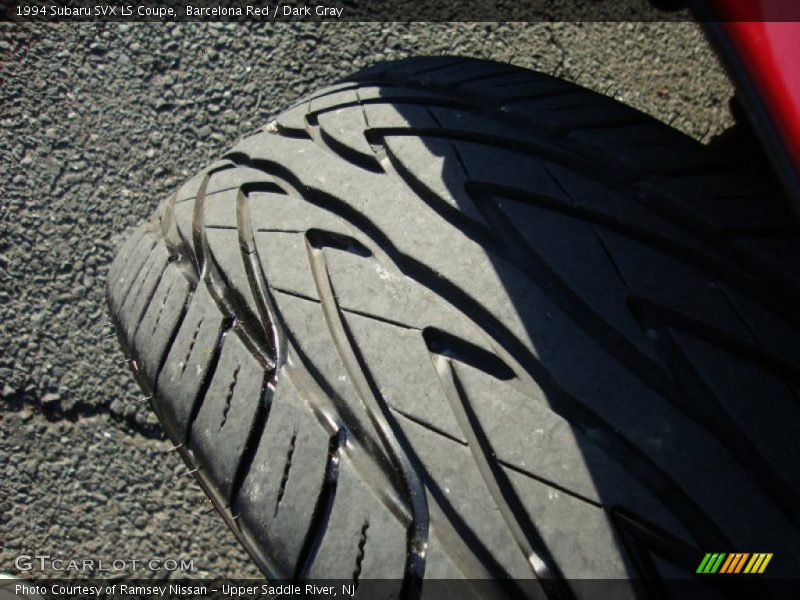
454,319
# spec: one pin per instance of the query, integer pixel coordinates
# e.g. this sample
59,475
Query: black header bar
274,11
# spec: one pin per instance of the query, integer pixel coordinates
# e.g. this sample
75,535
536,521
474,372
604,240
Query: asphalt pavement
100,122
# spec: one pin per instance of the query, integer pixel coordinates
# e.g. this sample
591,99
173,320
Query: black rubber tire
454,319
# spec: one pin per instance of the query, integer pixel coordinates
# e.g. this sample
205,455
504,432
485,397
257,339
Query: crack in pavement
54,411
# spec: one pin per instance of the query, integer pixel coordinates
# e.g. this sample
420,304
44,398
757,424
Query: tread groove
391,437
502,491
362,545
207,378
226,297
254,435
330,143
135,279
140,281
322,510
161,309
286,468
185,361
229,396
146,303
256,278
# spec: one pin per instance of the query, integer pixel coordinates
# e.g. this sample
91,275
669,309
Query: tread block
368,539
414,68
190,358
220,431
188,191
774,251
306,327
774,334
663,279
642,147
294,121
418,397
456,77
365,286
589,551
220,209
527,171
466,126
160,320
129,272
284,259
393,94
288,213
396,116
227,179
510,86
334,100
599,198
123,256
278,496
450,465
143,288
584,109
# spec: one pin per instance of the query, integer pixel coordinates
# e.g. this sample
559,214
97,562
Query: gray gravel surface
98,123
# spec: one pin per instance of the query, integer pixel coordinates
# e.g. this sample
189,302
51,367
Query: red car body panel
770,53
759,43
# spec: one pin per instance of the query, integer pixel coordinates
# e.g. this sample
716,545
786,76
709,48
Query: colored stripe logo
735,562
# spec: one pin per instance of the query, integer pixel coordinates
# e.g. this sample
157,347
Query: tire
455,319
